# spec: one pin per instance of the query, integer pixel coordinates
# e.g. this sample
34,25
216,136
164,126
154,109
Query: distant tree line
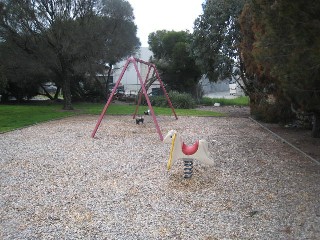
67,42
270,47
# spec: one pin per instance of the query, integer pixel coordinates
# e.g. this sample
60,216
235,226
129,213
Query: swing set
144,86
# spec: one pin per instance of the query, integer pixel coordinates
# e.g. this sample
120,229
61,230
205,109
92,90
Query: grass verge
17,116
239,101
125,109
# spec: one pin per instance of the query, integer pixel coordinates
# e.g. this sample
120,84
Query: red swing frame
144,91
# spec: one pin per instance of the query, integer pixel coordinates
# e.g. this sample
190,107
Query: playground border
285,141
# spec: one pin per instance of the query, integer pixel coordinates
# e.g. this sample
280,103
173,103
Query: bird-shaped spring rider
179,150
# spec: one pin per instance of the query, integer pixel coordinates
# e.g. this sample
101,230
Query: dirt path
300,138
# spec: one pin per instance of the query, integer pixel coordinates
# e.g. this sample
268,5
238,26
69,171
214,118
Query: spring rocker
179,150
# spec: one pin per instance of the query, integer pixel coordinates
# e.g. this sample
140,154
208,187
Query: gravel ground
59,183
230,111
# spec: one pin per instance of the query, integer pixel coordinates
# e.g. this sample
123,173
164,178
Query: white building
131,84
130,79
226,87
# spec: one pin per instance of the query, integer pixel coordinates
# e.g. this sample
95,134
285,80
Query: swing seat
190,150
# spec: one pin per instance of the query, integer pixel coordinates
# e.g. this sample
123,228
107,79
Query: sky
153,15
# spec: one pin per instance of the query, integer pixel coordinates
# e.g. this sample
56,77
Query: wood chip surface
59,183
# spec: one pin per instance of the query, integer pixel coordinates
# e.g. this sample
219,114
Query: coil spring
188,165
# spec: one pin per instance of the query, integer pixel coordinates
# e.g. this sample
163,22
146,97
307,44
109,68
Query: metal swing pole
110,98
165,92
147,98
161,84
140,94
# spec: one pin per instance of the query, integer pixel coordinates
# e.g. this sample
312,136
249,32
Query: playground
57,182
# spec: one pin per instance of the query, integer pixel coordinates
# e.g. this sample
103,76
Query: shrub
277,112
178,100
159,101
206,101
181,100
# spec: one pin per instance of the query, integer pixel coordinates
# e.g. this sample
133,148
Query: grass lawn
125,109
17,116
239,101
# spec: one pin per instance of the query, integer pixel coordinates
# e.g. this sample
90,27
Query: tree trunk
67,105
56,95
107,92
252,104
316,125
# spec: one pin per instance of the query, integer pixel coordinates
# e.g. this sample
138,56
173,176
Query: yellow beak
171,152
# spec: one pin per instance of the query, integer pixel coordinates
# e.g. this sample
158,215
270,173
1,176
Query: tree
22,73
3,82
70,38
172,55
216,39
267,100
287,46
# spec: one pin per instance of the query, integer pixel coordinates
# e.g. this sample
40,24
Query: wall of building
130,79
220,86
131,82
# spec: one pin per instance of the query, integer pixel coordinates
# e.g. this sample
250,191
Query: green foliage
281,51
163,42
3,80
181,100
21,71
287,46
159,101
173,58
64,39
277,112
216,39
178,100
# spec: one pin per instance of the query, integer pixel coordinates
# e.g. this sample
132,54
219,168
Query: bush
206,101
278,112
178,100
159,101
181,100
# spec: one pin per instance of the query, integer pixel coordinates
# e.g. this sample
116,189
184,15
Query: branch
46,93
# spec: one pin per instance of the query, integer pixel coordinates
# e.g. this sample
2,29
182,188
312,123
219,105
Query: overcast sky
153,15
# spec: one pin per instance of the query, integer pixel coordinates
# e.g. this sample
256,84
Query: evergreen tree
173,58
286,45
216,39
